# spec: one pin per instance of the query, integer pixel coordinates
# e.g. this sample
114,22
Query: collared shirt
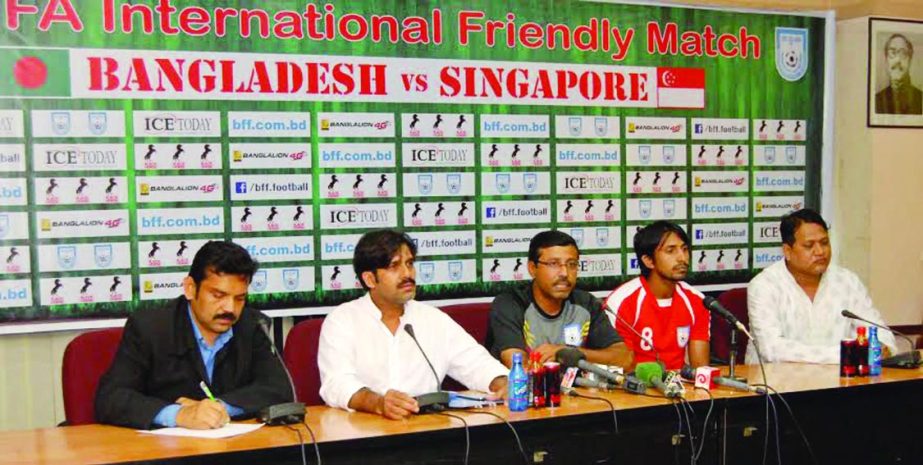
669,327
518,322
167,415
790,327
358,351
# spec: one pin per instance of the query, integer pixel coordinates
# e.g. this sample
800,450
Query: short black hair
899,36
376,248
650,237
552,238
222,257
792,221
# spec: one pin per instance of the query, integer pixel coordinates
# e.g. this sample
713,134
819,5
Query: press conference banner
133,132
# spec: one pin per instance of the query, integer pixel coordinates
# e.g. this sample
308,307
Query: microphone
909,359
688,373
409,330
592,383
652,373
286,413
634,331
714,306
432,401
570,357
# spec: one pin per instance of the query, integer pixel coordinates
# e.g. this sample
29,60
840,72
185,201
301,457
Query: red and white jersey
670,328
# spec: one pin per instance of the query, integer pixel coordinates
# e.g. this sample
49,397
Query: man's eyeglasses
898,52
571,266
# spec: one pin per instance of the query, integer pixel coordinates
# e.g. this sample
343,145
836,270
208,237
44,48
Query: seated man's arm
394,404
603,344
469,362
699,336
770,333
269,383
506,320
698,353
616,354
341,384
119,398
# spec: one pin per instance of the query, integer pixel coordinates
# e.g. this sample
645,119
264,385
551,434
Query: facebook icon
699,234
491,212
240,187
699,128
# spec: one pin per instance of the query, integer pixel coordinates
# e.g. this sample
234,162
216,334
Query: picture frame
895,73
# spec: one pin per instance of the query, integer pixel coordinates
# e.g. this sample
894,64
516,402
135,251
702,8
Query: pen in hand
207,392
205,389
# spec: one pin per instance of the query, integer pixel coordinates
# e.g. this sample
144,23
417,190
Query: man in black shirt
208,336
550,313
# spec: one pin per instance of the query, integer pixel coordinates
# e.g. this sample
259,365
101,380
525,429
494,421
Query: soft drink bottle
862,352
874,352
538,381
518,395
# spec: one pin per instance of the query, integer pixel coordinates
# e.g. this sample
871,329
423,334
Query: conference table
846,420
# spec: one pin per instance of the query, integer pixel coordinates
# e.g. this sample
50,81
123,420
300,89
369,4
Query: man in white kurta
367,355
357,351
795,304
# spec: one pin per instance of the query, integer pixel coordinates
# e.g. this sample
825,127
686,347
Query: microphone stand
732,355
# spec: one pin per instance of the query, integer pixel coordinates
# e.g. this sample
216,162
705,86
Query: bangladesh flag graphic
34,72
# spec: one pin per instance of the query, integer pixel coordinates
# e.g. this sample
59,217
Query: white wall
879,198
30,379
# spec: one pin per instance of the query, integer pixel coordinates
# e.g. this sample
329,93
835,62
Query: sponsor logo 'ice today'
354,216
362,215
425,154
99,157
177,123
600,265
11,123
589,182
171,123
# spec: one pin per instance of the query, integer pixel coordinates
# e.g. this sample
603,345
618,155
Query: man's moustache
225,316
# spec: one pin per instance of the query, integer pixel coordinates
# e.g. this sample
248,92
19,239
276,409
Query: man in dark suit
206,335
901,97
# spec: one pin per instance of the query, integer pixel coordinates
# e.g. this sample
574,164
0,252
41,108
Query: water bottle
518,396
874,352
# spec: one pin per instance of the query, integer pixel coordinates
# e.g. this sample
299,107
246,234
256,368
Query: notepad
227,431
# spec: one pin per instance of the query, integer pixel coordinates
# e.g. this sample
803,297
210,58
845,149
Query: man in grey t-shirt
550,313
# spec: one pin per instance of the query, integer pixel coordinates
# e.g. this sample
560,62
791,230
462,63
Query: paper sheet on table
229,430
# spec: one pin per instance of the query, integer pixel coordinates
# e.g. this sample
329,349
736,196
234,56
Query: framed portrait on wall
895,73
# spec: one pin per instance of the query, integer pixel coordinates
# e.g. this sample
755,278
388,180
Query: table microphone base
433,401
289,413
903,360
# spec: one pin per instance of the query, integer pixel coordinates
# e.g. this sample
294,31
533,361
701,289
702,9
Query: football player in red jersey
659,316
